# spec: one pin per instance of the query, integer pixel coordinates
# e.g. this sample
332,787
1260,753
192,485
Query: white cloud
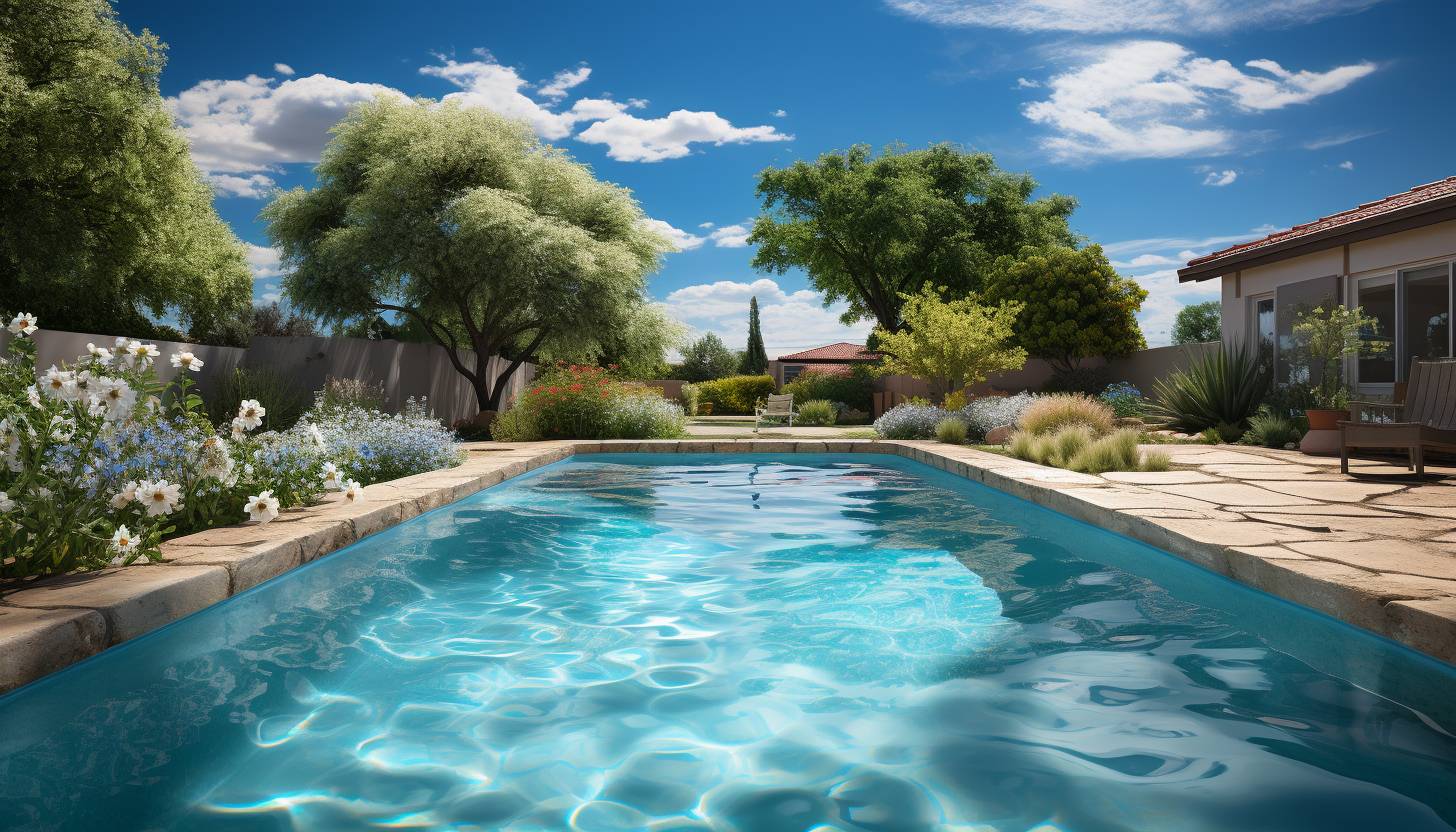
283,69
1027,84
791,321
263,261
632,139
1144,260
681,240
731,236
563,81
271,294
251,186
1220,178
497,87
1114,16
1347,165
780,113
1339,139
1156,99
705,225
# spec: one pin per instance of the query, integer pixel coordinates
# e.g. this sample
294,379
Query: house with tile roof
1394,256
830,358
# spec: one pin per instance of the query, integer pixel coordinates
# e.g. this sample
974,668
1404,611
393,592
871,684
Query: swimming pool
740,642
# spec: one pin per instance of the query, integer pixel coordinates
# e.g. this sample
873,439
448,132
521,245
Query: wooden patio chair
776,407
1425,421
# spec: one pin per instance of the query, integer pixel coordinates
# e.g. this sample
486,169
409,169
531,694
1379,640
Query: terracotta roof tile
1405,199
842,351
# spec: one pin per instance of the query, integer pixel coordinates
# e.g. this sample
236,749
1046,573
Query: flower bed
102,461
583,402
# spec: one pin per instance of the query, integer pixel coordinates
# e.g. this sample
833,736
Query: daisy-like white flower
250,414
262,507
238,430
6,504
60,383
142,355
116,394
160,497
353,491
124,542
330,477
23,324
124,497
101,354
186,361
32,393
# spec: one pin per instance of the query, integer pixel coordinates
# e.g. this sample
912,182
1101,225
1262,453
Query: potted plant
1323,338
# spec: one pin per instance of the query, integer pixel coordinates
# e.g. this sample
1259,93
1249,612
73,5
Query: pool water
741,643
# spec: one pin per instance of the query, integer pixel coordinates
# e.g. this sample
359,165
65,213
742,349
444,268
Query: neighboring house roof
1422,205
843,351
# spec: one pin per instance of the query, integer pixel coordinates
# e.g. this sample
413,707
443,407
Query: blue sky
1180,125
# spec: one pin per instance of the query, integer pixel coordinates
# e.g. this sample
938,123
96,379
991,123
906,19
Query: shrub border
56,622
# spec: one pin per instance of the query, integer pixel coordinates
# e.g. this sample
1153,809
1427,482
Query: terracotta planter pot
1323,438
1325,419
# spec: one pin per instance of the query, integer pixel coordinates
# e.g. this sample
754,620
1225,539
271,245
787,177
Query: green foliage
1322,339
1198,323
690,396
1053,413
461,220
854,389
736,395
637,348
1074,305
951,431
585,402
1078,448
1126,401
870,230
706,359
286,400
755,358
1085,379
956,342
518,424
341,393
1271,430
1223,387
105,223
815,412
639,412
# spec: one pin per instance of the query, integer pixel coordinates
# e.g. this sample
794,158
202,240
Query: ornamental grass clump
1077,448
102,461
951,431
1051,413
816,413
1221,388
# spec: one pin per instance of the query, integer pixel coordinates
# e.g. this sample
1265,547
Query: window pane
1427,314
1291,299
1378,302
1264,331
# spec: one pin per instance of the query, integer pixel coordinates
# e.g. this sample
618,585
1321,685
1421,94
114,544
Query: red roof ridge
1361,211
839,350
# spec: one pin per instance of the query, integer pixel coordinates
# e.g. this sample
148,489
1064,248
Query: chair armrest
1383,411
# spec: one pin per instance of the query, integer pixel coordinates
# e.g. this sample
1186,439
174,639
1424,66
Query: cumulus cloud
632,139
680,239
263,261
1347,165
251,186
791,321
249,127
271,294
1114,16
1220,178
731,236
780,113
1156,99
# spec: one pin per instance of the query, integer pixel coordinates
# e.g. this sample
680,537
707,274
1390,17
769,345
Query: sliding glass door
1376,295
1412,310
1426,322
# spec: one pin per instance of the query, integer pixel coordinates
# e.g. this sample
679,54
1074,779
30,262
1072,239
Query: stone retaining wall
56,622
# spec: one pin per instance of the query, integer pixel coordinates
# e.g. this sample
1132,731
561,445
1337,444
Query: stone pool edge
60,621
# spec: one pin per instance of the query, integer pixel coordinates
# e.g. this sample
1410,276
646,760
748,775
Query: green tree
755,358
639,346
105,223
953,342
1074,304
869,230
707,359
1198,323
462,221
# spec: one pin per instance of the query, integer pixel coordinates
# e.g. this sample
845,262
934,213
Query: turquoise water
741,643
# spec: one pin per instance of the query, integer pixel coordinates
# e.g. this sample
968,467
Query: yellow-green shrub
951,431
1076,448
816,413
735,395
1050,414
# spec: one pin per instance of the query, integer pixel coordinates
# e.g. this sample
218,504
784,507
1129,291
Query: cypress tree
755,358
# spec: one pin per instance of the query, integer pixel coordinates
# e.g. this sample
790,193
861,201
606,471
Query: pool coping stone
56,622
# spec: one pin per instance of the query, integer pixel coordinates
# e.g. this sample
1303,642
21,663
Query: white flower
60,383
33,394
186,361
239,431
101,354
160,497
318,438
23,324
250,414
154,404
124,497
63,428
262,507
119,346
142,354
216,461
331,477
6,503
116,394
124,542
353,491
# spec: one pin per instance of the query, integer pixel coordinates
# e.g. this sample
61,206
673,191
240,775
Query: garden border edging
59,621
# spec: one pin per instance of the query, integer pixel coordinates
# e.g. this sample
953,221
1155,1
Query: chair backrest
779,404
1430,398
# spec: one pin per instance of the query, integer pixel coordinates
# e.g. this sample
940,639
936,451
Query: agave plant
1221,388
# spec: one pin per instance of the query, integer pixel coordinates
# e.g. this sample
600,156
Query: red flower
555,389
575,388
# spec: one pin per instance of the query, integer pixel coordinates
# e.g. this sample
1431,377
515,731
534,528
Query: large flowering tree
462,221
